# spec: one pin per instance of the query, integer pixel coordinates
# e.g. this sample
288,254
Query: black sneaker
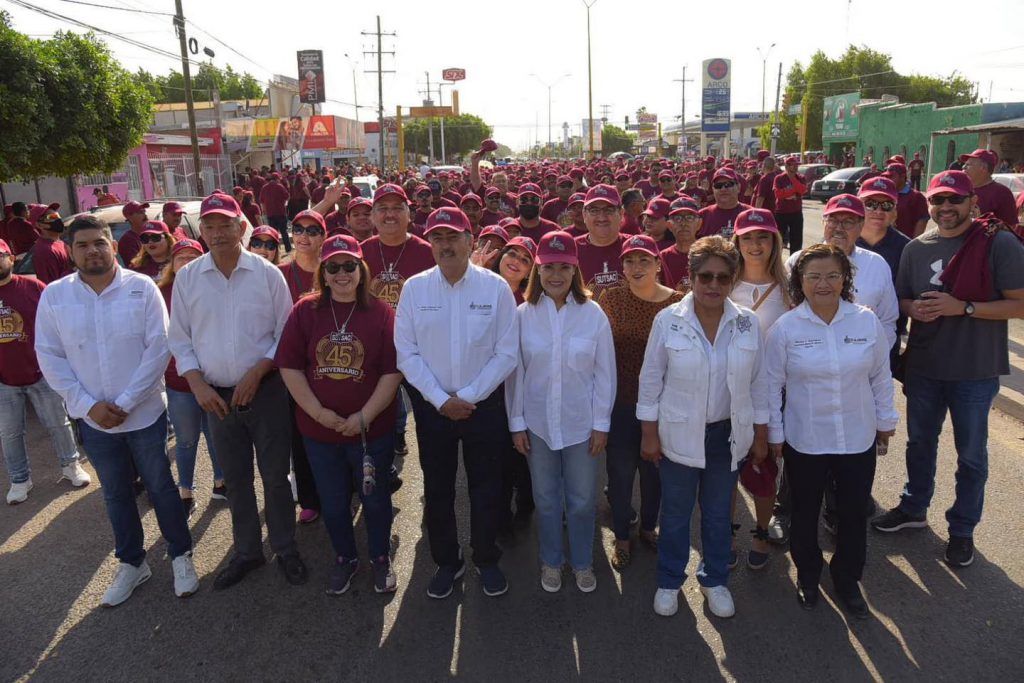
294,569
896,519
807,596
341,576
959,551
443,583
236,571
401,447
395,478
220,492
138,486
634,520
384,579
853,602
493,580
189,506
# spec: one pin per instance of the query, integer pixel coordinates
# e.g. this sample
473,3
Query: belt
263,381
721,423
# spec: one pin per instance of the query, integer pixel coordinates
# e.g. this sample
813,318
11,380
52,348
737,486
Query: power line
221,42
119,9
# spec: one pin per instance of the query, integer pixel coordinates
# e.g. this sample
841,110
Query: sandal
650,539
620,558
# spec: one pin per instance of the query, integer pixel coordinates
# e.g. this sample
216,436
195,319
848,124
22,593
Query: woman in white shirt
832,358
761,286
559,405
703,409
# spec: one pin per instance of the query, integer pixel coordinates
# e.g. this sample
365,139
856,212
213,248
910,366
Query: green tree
67,106
462,135
614,139
502,152
232,85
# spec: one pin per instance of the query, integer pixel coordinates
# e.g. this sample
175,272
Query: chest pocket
581,353
127,320
478,329
684,358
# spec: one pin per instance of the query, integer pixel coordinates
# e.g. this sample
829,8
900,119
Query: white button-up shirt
564,385
110,346
839,390
872,287
459,339
225,326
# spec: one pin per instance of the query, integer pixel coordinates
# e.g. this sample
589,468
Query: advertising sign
597,134
716,89
841,117
311,76
453,74
320,133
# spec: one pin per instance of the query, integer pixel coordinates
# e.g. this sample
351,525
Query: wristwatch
968,309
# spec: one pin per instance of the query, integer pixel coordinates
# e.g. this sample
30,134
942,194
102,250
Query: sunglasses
667,180
723,186
262,244
872,205
332,267
954,199
565,186
312,231
721,278
529,199
423,195
151,239
684,218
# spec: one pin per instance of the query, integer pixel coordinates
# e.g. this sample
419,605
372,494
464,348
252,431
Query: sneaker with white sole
186,582
550,578
666,601
19,492
719,601
126,579
586,581
75,474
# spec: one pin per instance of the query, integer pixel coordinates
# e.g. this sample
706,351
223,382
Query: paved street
930,623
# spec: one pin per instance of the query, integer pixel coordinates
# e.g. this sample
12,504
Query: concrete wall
43,191
910,126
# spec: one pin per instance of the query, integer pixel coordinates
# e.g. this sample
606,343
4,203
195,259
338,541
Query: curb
1010,402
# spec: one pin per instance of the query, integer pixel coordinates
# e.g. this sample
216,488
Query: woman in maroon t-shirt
157,242
337,357
183,410
264,242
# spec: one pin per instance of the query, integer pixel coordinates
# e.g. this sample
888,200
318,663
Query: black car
845,180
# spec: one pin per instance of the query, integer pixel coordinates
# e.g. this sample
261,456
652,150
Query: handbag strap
761,300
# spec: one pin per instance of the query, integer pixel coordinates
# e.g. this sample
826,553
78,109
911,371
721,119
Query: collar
116,283
804,311
685,310
466,277
906,189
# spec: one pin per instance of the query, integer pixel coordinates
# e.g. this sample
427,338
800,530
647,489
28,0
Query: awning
1008,126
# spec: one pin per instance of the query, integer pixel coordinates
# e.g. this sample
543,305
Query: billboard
716,95
311,76
586,134
453,74
298,133
841,117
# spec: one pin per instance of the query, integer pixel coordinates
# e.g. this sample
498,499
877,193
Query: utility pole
429,102
380,80
776,121
590,84
179,27
682,113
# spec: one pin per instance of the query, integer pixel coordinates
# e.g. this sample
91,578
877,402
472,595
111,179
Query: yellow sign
424,112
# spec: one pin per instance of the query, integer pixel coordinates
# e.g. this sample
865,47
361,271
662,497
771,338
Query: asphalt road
929,622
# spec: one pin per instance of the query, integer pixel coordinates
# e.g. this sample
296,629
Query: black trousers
854,474
915,182
280,223
305,484
483,438
791,226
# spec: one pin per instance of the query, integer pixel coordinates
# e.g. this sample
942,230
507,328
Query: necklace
343,328
390,268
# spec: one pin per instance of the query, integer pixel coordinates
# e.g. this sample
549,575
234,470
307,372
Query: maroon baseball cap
266,231
759,479
879,187
173,207
550,174
134,207
792,159
658,207
340,244
530,188
356,203
986,155
666,175
496,231
622,175
896,168
564,180
755,219
186,243
709,159
603,193
763,154
223,204
471,197
844,203
41,213
155,228
488,145
726,173
492,191
311,215
390,190
557,247
950,182
447,217
524,243
644,243
896,159
683,204
576,173
577,198
4,248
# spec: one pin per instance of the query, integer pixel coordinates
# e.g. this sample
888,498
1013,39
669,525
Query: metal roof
1007,126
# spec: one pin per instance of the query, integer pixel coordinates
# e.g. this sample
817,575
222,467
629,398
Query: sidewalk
1011,396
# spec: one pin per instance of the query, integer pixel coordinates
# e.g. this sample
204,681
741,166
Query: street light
590,83
355,90
549,86
764,62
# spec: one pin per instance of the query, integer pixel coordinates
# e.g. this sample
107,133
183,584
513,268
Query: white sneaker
719,601
75,474
550,578
666,602
186,582
126,579
19,492
585,580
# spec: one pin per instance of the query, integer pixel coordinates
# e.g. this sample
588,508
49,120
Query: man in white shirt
101,341
457,340
229,309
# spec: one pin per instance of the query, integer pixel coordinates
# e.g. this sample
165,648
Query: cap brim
842,209
222,212
754,228
877,193
432,228
544,259
946,190
626,252
601,200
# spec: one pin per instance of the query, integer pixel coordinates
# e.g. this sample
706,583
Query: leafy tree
462,135
231,84
67,106
614,139
502,152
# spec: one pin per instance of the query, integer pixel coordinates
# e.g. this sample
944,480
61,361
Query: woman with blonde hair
155,254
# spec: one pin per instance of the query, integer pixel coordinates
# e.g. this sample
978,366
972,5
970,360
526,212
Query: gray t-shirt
955,348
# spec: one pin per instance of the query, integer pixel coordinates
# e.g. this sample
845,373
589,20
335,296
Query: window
950,152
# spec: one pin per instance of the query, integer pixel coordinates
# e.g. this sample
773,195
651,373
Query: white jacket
675,377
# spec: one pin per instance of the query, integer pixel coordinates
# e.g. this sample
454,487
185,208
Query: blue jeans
622,460
113,455
337,470
969,403
189,419
681,487
49,407
401,412
564,480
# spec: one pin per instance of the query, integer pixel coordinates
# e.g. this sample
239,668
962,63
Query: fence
173,175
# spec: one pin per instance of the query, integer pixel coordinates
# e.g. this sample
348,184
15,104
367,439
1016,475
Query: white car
367,184
1014,181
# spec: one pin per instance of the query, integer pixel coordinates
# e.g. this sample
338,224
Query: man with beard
600,249
360,223
492,208
555,210
531,223
718,219
992,197
911,207
649,186
50,258
473,208
129,245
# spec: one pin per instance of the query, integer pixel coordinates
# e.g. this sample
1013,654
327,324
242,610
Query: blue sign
716,104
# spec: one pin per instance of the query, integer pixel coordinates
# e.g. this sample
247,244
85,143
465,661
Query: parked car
1014,181
843,180
814,171
366,184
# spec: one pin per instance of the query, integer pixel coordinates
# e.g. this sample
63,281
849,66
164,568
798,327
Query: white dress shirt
459,339
564,385
872,287
224,326
110,346
839,390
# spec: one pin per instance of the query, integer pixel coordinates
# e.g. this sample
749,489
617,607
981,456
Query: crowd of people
534,317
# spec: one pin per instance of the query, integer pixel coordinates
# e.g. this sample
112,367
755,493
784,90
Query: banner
311,76
320,133
586,134
288,135
716,82
841,117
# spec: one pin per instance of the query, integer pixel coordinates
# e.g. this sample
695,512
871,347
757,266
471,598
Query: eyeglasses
604,211
831,278
954,199
667,180
684,218
724,186
151,239
423,195
332,267
845,224
262,244
565,186
722,279
312,231
872,205
529,199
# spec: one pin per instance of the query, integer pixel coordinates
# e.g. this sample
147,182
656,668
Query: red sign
717,69
453,74
320,133
311,76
